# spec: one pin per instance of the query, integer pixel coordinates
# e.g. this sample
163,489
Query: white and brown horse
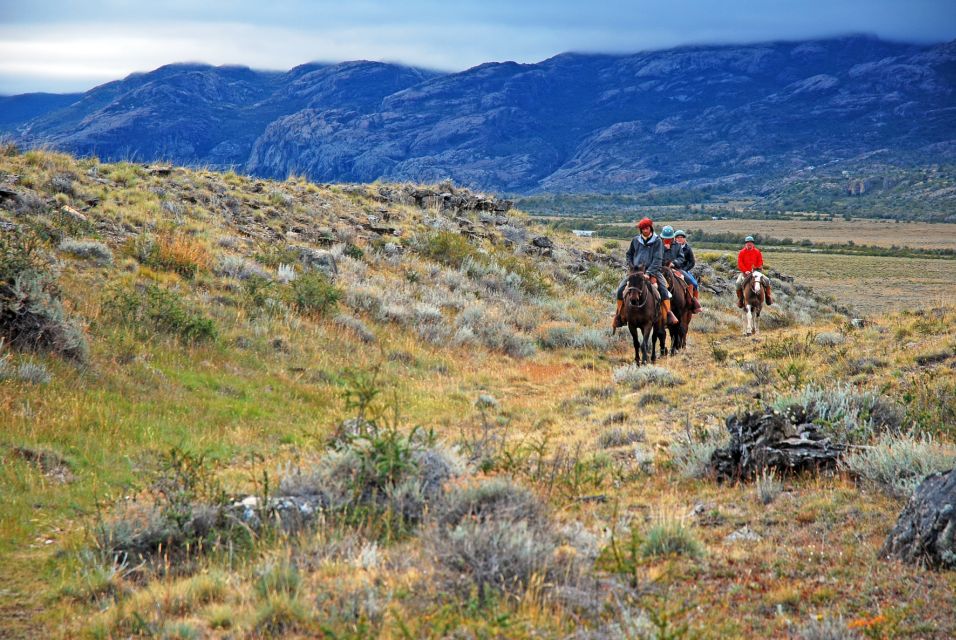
753,300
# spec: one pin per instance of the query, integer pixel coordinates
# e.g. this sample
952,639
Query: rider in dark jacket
672,255
646,251
685,260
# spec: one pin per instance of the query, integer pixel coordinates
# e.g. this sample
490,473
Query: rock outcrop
787,443
925,532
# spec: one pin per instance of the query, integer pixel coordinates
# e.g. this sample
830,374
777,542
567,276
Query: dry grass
873,284
268,394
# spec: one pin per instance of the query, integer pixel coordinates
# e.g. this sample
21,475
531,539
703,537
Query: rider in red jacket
748,260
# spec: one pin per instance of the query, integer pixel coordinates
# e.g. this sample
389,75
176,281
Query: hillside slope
256,408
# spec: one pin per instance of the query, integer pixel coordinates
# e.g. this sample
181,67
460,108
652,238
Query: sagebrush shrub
356,326
31,314
314,293
241,269
278,577
620,437
498,498
850,415
692,456
502,556
476,325
447,247
670,536
495,537
897,464
34,373
392,475
88,249
767,487
830,339
280,613
161,310
828,628
32,317
557,336
285,273
637,377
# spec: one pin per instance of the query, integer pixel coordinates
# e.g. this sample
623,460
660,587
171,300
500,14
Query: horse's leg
633,329
750,329
646,332
654,337
660,333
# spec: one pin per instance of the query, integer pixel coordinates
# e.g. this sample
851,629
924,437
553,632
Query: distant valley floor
880,233
872,284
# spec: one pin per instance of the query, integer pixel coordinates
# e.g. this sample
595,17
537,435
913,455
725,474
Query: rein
641,297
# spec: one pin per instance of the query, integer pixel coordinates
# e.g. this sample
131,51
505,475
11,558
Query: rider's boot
740,298
694,302
766,293
671,318
617,316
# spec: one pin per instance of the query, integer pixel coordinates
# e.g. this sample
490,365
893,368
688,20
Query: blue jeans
690,278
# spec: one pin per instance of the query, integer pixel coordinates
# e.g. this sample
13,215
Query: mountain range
722,118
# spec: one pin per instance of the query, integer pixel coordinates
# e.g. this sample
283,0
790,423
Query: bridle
752,283
642,295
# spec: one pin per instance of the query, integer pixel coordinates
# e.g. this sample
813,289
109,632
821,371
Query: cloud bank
49,45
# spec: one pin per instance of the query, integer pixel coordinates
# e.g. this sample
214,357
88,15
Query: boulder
925,532
710,280
6,193
318,260
72,214
543,242
788,443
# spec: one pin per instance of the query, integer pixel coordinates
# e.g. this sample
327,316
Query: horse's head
634,290
756,281
635,278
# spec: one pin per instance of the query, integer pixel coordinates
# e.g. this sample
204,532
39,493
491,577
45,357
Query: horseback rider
685,261
749,260
673,259
646,251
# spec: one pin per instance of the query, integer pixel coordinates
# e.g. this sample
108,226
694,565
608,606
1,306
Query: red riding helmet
646,222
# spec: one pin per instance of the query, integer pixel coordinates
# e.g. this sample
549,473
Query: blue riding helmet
749,239
680,232
667,233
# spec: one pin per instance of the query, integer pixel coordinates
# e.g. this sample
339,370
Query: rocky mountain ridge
719,118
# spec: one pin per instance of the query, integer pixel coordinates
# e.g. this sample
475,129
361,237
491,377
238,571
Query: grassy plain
873,285
269,391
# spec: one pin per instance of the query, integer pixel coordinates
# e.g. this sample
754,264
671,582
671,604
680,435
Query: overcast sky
59,45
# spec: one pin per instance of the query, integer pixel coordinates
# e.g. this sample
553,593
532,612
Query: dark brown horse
753,300
641,310
682,308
